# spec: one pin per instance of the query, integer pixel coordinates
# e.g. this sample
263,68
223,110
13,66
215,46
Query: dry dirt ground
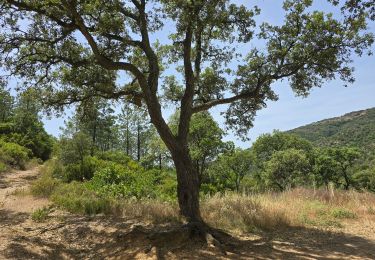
68,236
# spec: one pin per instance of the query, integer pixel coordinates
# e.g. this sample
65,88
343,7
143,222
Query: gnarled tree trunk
187,185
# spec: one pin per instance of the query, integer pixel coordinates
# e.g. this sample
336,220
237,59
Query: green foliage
267,144
118,157
21,124
228,171
116,180
287,169
343,213
40,215
76,198
282,160
205,141
6,128
81,171
46,184
307,49
14,154
6,106
74,149
3,167
335,164
356,129
365,179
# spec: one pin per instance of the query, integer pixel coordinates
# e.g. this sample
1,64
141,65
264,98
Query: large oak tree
72,50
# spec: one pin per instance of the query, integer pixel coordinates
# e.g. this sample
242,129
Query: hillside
353,129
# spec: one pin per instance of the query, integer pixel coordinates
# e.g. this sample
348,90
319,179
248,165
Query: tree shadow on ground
10,218
78,237
7,178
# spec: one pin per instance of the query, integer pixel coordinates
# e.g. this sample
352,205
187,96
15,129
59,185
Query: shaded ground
67,236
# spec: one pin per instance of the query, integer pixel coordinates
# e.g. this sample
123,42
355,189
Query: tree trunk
347,181
187,186
127,138
138,142
160,166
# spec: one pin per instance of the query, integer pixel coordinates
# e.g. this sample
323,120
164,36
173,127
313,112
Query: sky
289,111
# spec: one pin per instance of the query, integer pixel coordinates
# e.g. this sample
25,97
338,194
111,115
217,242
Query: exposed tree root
193,232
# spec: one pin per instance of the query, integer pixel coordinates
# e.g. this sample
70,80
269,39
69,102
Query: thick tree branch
187,99
210,104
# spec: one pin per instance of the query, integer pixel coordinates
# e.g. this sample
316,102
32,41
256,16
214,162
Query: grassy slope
352,129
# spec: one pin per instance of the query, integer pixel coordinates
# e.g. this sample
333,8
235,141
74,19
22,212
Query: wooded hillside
353,129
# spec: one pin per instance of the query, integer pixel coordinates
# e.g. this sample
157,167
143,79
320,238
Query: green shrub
89,166
79,171
72,172
14,154
45,185
40,215
167,189
342,213
76,198
365,179
115,156
116,180
6,128
3,167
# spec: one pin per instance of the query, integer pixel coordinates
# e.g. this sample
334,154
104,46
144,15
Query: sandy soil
68,236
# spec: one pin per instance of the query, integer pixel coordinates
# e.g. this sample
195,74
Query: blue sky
289,112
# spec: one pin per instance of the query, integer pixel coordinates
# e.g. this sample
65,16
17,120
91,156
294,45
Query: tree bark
347,180
187,186
138,142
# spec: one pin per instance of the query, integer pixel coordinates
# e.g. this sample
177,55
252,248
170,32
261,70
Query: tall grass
297,207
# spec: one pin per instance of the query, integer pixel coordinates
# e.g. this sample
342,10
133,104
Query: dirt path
68,236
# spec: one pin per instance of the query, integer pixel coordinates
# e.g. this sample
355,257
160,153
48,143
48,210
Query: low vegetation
40,215
234,212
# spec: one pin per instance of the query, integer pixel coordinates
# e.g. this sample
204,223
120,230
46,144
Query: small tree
325,169
334,164
74,49
6,104
205,140
287,169
228,171
345,158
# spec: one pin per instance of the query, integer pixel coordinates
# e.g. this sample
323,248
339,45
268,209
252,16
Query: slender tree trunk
138,142
347,180
160,166
127,139
93,140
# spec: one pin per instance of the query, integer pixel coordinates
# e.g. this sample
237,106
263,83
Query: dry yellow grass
153,211
298,207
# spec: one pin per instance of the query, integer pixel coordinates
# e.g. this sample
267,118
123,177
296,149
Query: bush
343,213
76,198
365,179
115,156
79,171
40,215
14,154
6,128
46,184
118,181
3,167
38,142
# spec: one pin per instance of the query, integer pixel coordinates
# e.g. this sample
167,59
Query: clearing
67,236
